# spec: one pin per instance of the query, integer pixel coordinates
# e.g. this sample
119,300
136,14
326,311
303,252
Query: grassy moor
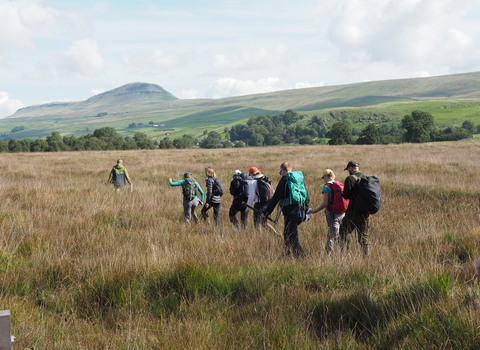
83,267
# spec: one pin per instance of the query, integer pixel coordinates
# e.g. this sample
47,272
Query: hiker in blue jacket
293,214
190,186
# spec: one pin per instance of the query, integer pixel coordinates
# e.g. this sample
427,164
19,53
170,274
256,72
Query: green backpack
296,190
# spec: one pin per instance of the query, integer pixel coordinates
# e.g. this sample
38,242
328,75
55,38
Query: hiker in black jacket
213,198
239,198
292,214
354,220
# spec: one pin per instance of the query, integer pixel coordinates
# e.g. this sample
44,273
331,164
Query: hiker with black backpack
214,194
190,190
335,207
239,189
365,198
292,195
261,191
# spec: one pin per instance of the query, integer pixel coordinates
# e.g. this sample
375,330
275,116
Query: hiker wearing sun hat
190,190
239,190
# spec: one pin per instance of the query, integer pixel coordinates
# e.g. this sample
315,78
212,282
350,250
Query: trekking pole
259,211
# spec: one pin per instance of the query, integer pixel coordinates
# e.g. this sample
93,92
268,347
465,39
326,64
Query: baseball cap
253,170
351,163
185,175
236,172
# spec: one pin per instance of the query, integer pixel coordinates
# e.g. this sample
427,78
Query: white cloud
157,59
308,85
94,92
421,74
425,33
7,105
231,87
191,93
26,19
248,60
82,58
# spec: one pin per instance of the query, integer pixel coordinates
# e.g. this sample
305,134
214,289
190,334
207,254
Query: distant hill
143,102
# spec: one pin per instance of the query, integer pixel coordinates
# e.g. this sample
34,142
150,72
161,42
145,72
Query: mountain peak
133,92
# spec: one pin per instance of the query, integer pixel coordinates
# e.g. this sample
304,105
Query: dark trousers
216,211
290,236
238,206
257,215
354,220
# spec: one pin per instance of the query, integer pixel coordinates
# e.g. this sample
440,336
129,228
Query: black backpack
217,188
264,189
239,186
189,188
369,198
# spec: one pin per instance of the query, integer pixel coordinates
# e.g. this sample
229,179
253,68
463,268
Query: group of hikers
347,205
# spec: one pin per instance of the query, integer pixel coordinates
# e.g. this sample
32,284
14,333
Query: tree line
265,130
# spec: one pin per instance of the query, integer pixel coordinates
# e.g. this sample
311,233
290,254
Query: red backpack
336,202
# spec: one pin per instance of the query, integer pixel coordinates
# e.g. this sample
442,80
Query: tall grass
82,267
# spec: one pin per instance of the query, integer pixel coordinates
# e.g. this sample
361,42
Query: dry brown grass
78,261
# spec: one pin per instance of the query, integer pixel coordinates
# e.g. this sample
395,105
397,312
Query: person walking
119,176
239,191
190,190
334,206
293,212
259,195
353,219
214,194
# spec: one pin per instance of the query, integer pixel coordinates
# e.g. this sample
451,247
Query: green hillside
450,99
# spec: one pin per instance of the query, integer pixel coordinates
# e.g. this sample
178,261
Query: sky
70,50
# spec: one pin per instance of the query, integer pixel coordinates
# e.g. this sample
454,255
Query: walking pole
270,227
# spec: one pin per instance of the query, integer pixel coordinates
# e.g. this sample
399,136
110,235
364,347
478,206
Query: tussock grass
83,267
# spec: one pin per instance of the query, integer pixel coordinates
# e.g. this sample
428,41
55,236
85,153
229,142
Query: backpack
242,186
189,188
217,188
336,203
369,198
297,192
264,189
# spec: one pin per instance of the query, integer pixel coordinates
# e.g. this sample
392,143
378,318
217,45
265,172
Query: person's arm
202,194
209,185
347,189
277,197
322,206
110,176
127,176
178,183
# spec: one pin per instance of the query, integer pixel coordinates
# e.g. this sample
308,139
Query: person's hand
170,179
311,211
207,205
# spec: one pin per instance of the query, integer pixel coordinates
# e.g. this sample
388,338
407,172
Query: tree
371,135
467,124
105,132
418,125
142,140
340,134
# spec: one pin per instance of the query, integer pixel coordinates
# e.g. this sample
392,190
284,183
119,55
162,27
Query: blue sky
52,50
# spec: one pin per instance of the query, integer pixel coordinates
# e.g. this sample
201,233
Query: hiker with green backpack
292,196
365,197
335,207
190,190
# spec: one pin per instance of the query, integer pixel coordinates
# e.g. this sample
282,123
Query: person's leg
187,207
216,212
195,204
346,228
330,233
362,224
292,243
233,212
